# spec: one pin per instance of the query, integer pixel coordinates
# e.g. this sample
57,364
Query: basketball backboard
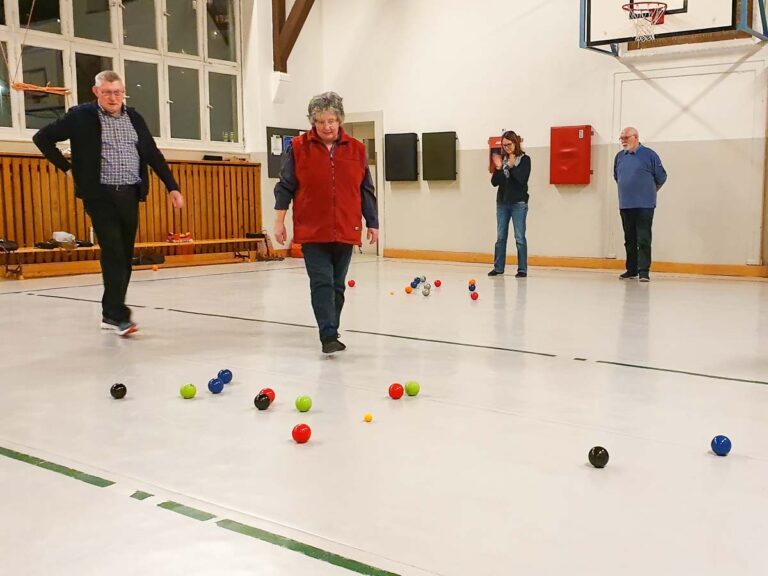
606,22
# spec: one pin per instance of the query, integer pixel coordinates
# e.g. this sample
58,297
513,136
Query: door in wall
365,132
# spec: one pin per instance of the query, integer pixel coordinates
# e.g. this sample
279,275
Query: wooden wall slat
9,230
208,211
223,185
199,206
50,203
239,231
26,189
256,194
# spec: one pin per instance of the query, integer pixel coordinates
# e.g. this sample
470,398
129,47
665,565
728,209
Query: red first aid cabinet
571,154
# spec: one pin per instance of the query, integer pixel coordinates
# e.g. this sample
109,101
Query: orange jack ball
155,268
472,281
408,289
368,417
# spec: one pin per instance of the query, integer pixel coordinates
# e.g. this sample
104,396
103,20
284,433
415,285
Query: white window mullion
67,19
161,10
205,106
165,111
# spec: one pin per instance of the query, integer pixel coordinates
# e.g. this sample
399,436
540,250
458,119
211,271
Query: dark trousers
327,264
115,217
637,224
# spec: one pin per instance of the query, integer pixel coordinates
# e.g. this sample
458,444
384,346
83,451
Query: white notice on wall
276,145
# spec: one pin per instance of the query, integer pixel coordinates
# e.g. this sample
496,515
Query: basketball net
645,16
23,86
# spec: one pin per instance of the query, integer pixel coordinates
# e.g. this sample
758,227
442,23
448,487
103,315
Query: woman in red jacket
325,173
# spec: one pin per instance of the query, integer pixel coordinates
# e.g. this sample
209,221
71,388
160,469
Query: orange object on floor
296,251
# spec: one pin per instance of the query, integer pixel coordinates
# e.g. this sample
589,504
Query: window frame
69,44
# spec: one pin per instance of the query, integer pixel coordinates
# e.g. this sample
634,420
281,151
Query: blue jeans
327,264
517,213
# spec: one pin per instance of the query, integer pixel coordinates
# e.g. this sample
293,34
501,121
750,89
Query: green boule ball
188,391
303,403
412,388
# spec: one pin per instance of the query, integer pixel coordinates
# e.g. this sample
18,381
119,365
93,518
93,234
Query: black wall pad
274,161
438,155
400,158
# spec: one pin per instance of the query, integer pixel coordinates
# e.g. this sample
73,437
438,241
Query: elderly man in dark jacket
111,149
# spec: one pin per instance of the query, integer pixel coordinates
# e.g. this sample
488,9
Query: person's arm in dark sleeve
155,158
285,189
616,168
659,174
367,193
45,139
498,177
522,171
287,184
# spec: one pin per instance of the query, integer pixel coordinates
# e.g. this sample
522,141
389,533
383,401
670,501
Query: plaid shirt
119,155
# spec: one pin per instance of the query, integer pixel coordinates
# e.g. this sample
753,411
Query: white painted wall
305,78
478,67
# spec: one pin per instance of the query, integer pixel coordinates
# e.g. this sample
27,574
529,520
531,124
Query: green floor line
244,529
186,510
306,549
139,495
58,468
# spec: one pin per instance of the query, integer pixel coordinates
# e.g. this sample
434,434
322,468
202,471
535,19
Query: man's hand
177,199
373,235
280,233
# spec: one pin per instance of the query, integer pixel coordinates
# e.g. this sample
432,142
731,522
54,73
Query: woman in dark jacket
513,167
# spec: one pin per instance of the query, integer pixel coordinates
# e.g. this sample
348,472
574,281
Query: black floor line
182,277
672,371
418,339
243,318
82,299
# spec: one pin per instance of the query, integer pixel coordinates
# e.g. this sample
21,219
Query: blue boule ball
721,445
215,385
225,376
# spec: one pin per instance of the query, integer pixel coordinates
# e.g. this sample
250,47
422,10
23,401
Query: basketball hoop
645,15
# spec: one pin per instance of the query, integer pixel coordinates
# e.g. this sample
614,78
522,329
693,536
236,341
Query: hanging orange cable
23,86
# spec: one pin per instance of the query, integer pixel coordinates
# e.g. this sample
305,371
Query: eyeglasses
510,145
112,92
627,137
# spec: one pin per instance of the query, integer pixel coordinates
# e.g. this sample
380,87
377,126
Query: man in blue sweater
639,174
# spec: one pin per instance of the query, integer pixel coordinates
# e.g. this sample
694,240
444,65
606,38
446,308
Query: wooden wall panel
222,200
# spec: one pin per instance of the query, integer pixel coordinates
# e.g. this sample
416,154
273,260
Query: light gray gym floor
485,472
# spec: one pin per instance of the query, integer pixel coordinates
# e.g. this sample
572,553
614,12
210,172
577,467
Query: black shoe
628,275
521,275
333,346
645,278
109,324
494,273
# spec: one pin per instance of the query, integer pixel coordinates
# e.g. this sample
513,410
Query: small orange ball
408,289
368,417
155,268
472,281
